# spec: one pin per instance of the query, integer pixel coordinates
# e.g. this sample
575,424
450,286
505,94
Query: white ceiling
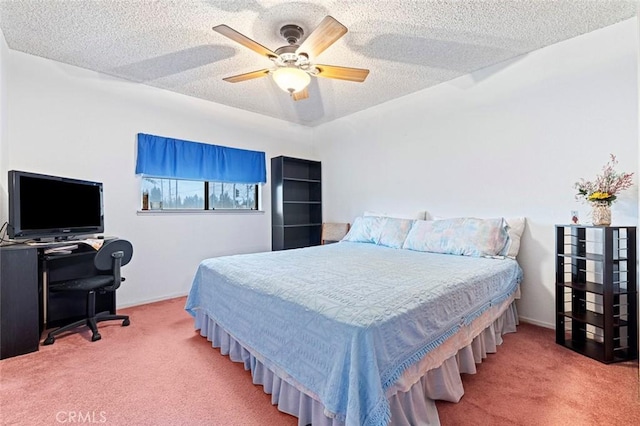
407,45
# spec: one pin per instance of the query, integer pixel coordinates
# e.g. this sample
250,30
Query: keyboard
50,243
61,249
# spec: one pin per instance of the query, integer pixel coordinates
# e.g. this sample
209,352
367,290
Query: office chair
333,232
112,255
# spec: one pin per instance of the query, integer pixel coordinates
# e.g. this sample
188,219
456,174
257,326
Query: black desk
27,308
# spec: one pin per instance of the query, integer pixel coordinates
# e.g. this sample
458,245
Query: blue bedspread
345,320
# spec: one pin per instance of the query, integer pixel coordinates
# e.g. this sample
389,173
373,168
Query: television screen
52,206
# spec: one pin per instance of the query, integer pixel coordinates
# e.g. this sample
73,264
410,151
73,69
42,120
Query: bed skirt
412,398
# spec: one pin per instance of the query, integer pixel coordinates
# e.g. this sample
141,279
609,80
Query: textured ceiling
407,45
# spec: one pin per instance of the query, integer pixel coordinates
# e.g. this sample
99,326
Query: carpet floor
159,371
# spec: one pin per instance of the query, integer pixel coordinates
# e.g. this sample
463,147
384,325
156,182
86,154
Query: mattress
343,323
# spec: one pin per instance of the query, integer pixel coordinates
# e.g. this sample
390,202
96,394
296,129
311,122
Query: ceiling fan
293,63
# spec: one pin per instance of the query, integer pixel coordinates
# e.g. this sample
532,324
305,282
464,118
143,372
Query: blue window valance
177,159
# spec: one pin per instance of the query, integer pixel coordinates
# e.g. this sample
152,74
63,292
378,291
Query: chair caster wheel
126,322
95,337
49,340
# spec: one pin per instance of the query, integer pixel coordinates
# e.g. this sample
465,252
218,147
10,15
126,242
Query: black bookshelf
596,291
296,203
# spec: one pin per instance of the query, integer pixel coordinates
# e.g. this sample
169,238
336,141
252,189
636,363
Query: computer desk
27,308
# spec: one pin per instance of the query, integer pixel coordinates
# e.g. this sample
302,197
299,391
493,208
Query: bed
357,333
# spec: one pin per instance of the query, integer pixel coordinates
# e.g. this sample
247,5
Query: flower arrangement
605,187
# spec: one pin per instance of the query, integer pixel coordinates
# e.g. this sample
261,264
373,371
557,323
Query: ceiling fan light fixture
291,79
292,70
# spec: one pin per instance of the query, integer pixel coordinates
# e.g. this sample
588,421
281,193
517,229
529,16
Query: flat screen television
44,206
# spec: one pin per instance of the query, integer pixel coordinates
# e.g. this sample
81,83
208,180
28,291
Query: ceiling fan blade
298,96
244,40
247,76
342,73
327,33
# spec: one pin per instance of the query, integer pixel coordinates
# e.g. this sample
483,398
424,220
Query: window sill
195,211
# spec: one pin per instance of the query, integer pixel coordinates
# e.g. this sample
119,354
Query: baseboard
155,299
536,322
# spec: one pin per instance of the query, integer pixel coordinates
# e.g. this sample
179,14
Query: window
232,196
184,175
178,194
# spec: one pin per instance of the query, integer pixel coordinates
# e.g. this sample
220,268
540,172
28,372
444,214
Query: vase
601,213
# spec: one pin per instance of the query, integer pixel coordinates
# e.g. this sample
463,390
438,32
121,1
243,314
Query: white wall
73,122
509,140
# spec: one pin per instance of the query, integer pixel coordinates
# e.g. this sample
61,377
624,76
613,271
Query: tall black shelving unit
596,291
296,203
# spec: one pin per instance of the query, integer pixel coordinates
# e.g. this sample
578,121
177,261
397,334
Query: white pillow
366,230
419,215
465,236
394,232
515,228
